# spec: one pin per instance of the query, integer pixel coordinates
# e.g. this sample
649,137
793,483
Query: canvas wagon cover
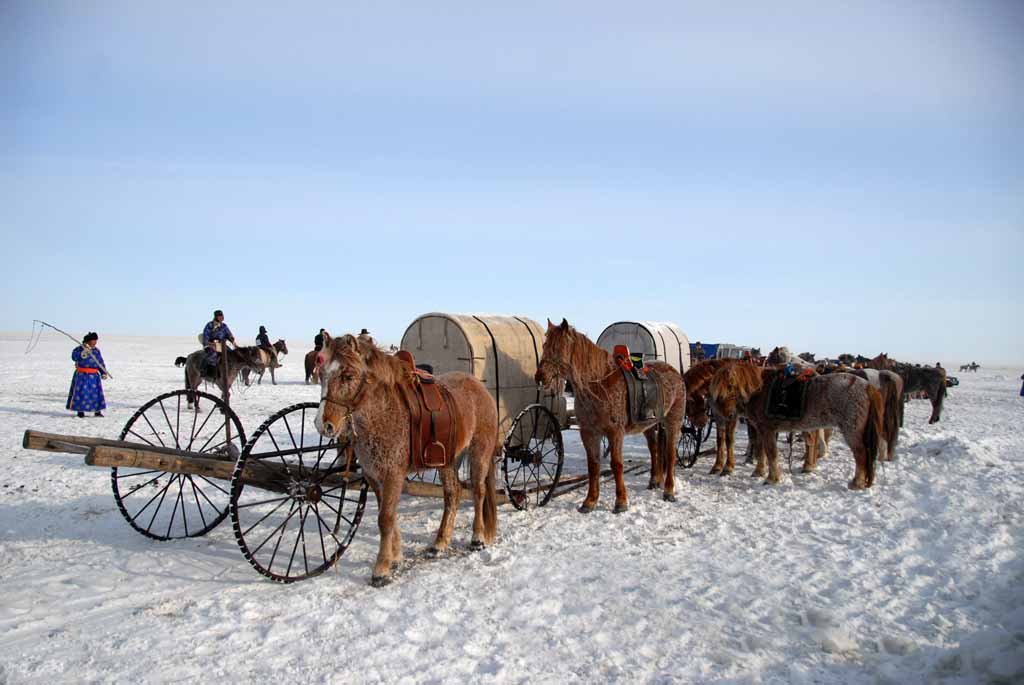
502,351
656,340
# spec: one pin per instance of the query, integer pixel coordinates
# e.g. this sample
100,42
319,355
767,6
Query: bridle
349,406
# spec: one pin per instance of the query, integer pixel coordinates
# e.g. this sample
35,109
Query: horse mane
744,379
385,367
699,375
587,360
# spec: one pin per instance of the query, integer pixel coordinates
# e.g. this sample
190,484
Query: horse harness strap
433,422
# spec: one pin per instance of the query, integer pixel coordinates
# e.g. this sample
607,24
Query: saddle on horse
788,393
643,394
432,418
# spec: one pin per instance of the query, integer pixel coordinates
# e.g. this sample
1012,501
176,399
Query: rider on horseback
215,331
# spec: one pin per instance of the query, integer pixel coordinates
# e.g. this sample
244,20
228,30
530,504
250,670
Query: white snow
920,579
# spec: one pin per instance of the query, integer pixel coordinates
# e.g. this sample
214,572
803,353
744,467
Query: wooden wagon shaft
417,489
576,482
79,444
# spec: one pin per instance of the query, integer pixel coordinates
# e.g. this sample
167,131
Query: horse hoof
807,469
433,552
714,470
668,497
476,545
619,508
725,472
854,485
380,581
651,485
585,508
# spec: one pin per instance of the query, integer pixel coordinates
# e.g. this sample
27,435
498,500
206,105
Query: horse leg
452,491
810,452
621,498
273,381
482,475
751,443
771,448
592,446
720,445
758,452
824,437
669,436
860,478
651,434
730,446
387,524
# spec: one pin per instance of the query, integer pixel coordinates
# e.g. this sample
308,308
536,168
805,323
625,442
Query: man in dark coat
215,332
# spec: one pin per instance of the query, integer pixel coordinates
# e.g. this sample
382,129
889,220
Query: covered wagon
656,340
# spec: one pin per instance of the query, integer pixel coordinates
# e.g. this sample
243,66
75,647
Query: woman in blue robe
86,393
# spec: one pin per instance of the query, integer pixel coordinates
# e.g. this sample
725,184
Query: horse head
554,368
281,346
343,377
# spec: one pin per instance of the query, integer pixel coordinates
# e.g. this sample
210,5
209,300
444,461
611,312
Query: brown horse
312,370
840,401
361,401
880,363
601,409
266,360
890,385
745,379
696,380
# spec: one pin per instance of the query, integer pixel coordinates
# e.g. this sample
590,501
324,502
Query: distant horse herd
361,406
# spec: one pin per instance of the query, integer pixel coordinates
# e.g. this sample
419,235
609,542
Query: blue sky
834,179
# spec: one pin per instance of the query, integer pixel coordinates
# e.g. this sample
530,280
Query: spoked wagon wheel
168,506
533,456
689,445
293,511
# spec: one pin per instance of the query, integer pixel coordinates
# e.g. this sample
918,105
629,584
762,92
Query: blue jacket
216,331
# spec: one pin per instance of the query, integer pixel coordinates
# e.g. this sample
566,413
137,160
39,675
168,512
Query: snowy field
920,579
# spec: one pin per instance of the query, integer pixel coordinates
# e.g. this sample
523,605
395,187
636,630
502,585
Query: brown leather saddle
432,418
787,394
643,393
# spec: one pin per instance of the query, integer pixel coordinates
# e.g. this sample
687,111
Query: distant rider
215,331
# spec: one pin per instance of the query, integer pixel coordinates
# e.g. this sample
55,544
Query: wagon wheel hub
314,494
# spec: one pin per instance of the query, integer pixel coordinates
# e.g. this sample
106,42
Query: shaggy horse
312,370
361,401
880,363
927,378
601,410
781,356
239,360
838,400
697,381
890,386
267,361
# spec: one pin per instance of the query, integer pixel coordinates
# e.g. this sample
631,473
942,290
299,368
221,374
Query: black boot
81,414
99,414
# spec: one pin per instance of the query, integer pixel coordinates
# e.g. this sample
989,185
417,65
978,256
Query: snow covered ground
920,579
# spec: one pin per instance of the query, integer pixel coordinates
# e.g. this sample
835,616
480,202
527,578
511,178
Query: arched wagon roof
656,340
503,352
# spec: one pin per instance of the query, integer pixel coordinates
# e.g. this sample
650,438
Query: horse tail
490,502
892,416
873,431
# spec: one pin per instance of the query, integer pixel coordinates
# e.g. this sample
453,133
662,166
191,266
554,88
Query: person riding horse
263,342
214,332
